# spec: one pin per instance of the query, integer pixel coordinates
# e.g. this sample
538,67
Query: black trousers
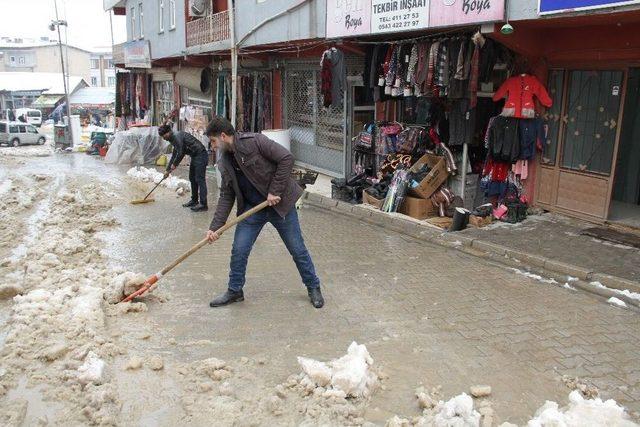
198,177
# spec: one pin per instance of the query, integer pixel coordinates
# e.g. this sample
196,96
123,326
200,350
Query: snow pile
151,175
122,285
458,411
92,369
27,151
582,412
349,376
627,293
534,276
616,301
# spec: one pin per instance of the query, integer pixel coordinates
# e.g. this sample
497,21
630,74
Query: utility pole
56,24
234,63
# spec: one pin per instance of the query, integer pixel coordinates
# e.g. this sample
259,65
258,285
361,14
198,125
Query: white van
18,133
34,117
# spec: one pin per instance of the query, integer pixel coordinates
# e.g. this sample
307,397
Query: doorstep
477,247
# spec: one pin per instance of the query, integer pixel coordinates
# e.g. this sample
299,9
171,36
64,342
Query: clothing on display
520,91
333,60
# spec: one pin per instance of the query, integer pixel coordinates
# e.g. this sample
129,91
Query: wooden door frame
556,168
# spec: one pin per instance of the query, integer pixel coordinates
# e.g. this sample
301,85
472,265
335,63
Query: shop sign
399,15
564,6
348,18
445,13
137,54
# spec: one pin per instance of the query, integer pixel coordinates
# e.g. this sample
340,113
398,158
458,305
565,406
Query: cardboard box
434,179
417,208
370,200
478,221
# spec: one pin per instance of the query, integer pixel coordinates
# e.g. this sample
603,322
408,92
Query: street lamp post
56,25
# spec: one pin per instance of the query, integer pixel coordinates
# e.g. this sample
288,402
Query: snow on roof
49,83
35,44
94,96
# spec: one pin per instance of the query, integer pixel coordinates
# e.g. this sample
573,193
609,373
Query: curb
476,247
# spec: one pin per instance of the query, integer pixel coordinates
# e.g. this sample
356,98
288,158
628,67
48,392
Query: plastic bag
136,146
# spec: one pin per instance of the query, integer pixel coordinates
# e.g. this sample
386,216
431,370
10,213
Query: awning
46,101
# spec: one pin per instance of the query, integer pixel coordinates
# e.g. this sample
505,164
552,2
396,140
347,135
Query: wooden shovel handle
154,188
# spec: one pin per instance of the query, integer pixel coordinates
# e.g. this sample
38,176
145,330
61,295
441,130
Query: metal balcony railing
208,29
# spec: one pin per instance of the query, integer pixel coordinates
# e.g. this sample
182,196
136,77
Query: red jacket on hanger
519,91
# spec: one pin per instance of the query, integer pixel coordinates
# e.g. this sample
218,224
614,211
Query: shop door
584,129
625,203
360,111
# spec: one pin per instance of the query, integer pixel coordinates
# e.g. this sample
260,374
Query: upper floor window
95,64
94,81
110,64
111,81
133,23
141,13
172,14
161,15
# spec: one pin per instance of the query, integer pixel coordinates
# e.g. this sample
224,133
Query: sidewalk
547,245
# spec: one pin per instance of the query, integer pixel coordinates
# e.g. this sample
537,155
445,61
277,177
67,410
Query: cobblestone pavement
429,315
559,238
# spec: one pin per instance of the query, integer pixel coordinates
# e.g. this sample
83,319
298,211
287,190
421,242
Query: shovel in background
150,282
146,200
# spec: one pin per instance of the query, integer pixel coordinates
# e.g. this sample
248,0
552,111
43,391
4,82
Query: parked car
34,117
18,133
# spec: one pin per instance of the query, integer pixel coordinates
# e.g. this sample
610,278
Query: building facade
588,165
103,70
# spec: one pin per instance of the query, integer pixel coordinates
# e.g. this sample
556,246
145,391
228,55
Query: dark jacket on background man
184,144
267,165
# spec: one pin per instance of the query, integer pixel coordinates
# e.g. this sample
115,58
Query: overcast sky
88,22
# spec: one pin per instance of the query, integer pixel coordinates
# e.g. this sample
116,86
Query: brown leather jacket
267,165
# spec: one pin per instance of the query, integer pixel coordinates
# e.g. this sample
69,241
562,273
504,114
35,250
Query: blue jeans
289,229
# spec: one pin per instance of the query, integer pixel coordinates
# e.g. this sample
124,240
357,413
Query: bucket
162,160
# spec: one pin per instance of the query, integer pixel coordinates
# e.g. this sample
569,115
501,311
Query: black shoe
227,298
200,208
190,204
315,296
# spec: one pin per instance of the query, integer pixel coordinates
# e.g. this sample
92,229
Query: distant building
43,56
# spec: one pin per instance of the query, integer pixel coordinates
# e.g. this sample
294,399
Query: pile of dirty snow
151,175
348,376
27,151
582,412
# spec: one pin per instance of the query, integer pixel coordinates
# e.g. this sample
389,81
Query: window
3,128
161,15
172,14
95,64
111,81
34,113
141,13
21,60
94,81
110,64
553,117
32,129
133,23
12,59
22,129
13,129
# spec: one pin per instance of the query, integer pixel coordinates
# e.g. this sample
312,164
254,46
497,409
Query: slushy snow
616,301
581,412
151,175
351,374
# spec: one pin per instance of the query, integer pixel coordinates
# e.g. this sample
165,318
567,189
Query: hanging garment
504,140
220,97
521,168
431,70
411,68
531,133
520,91
326,76
496,170
119,94
488,57
474,76
459,70
442,70
338,75
422,68
240,123
461,123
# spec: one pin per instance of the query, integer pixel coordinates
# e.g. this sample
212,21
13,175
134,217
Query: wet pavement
429,315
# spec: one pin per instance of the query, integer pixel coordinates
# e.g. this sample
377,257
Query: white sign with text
399,15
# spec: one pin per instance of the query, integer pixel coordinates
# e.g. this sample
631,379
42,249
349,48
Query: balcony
208,29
